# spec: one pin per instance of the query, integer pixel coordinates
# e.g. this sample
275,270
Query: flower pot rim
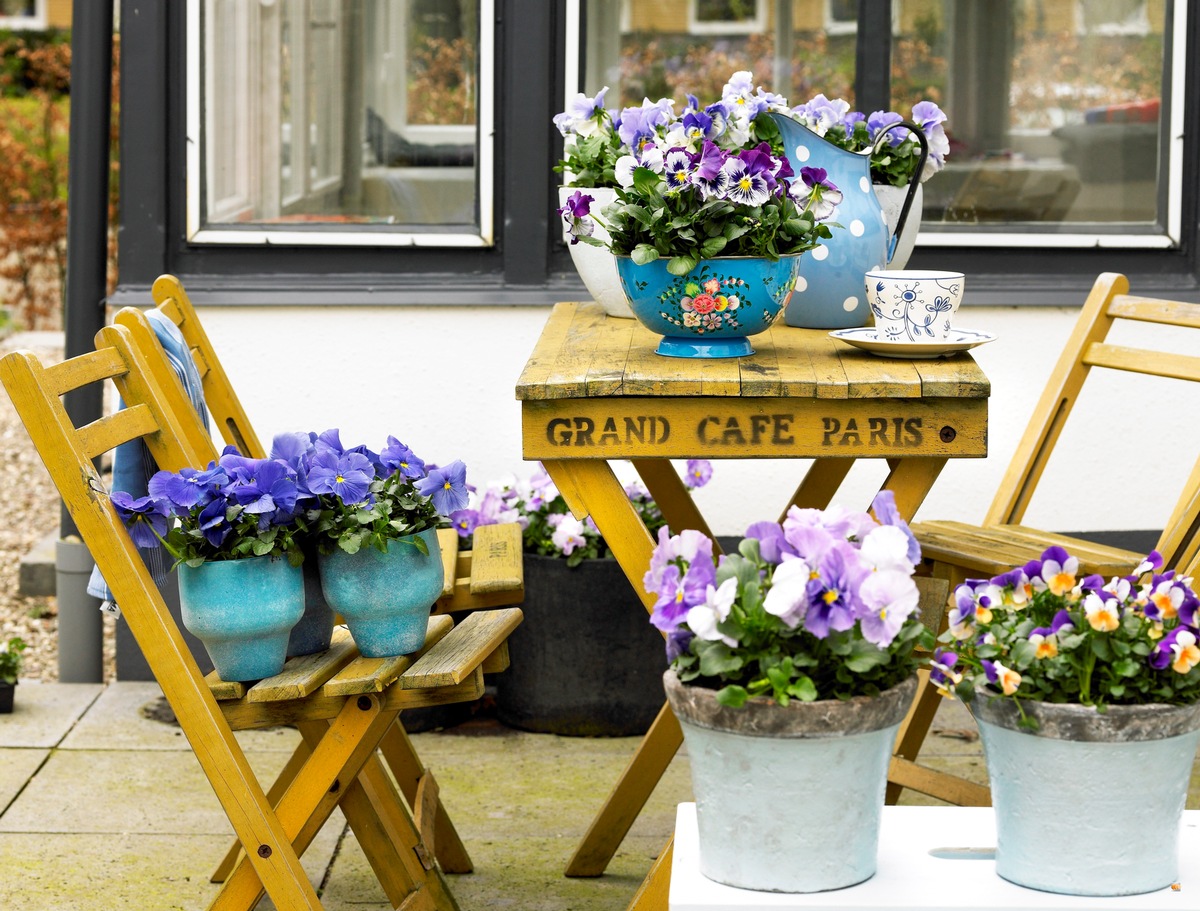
1085,723
762,716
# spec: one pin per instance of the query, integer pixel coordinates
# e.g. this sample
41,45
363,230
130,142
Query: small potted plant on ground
11,660
375,518
579,611
233,530
1087,696
792,665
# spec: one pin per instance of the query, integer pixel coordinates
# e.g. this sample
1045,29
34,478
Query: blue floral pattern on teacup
917,310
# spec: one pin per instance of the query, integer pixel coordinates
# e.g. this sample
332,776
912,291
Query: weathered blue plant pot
315,629
710,311
1090,803
788,799
385,597
829,289
243,611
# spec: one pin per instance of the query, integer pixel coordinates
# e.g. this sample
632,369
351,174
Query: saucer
867,340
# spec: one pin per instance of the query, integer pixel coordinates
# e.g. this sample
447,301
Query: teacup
914,305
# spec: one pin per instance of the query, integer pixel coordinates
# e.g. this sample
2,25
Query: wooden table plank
760,372
606,371
868,376
797,372
548,356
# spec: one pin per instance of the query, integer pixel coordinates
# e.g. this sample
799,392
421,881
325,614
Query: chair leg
294,764
339,750
389,838
407,768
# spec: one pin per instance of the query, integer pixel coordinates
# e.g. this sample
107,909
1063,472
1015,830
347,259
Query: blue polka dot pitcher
830,292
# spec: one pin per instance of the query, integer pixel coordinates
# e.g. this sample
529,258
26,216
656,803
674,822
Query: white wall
441,379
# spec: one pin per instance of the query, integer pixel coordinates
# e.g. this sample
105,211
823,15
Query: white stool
959,874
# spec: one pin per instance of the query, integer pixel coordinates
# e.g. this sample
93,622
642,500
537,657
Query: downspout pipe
80,630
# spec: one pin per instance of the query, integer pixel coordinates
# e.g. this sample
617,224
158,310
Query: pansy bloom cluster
547,526
1039,632
312,487
597,138
690,206
236,507
896,153
823,606
361,498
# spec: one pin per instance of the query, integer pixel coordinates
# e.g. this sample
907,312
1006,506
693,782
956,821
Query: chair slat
1149,310
461,652
373,675
1154,363
304,675
448,543
111,430
79,371
496,559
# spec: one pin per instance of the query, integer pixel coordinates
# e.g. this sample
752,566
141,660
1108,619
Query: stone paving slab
16,768
86,872
119,721
115,791
44,713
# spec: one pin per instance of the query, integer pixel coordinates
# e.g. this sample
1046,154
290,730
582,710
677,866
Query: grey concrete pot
1090,803
788,798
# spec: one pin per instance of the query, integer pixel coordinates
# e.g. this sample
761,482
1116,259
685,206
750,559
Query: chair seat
987,551
449,667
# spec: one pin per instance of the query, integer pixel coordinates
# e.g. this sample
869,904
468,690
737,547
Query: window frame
698,26
202,232
36,21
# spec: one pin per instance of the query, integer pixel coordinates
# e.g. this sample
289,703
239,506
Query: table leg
671,495
910,480
654,894
819,484
628,796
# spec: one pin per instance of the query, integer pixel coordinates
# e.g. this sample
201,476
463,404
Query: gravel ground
31,511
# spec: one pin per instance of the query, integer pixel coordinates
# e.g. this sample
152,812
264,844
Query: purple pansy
145,517
446,486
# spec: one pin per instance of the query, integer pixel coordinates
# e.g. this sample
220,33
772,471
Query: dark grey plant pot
585,660
7,691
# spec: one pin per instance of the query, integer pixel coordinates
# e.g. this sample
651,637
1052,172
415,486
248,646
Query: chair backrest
173,303
1108,303
68,453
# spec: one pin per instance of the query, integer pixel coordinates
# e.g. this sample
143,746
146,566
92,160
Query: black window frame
529,263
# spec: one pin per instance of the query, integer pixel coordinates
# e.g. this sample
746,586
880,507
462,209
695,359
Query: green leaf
1101,649
1126,667
733,696
712,246
864,656
682,265
644,253
803,689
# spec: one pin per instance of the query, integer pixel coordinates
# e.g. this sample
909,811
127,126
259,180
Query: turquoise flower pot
1090,803
385,597
710,311
243,611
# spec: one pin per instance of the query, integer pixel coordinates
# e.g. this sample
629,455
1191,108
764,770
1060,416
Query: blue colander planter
385,597
710,311
242,610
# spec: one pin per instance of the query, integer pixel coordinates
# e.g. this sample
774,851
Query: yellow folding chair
344,706
957,550
491,575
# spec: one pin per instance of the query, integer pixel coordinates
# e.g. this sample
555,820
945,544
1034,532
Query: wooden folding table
594,391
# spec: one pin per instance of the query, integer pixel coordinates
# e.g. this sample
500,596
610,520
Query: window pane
1054,110
668,48
324,113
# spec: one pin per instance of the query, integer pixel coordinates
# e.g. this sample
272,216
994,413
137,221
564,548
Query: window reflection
361,112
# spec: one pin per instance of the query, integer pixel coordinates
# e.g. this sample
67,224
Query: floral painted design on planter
714,307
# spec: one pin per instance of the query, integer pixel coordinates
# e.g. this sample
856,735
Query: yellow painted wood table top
595,388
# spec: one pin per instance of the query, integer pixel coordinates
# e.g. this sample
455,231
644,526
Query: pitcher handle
913,181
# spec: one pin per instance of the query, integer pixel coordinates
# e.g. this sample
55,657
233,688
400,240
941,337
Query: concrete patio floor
101,806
